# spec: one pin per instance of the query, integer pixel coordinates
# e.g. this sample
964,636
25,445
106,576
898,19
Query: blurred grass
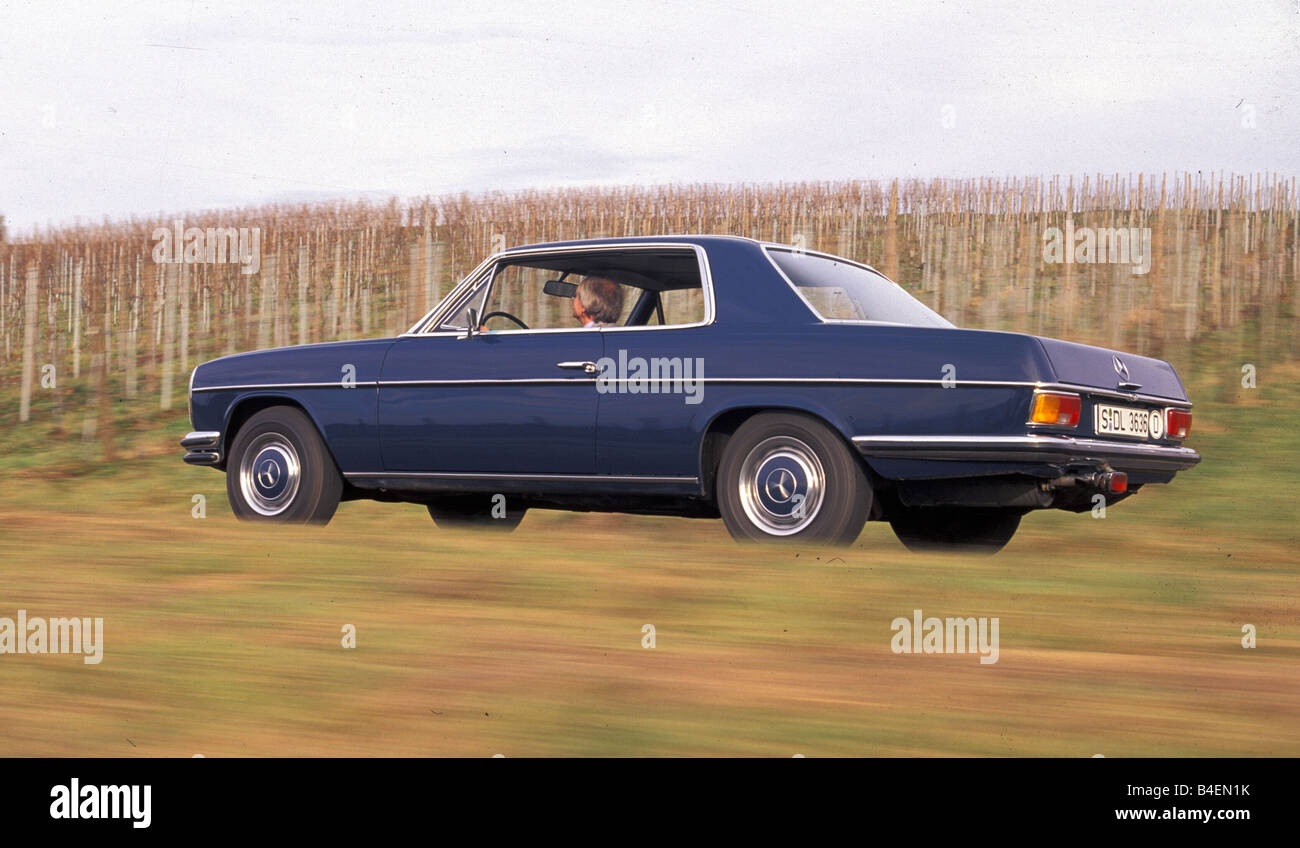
1118,636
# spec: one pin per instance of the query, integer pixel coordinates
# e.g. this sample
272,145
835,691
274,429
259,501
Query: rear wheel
955,529
488,512
279,470
788,477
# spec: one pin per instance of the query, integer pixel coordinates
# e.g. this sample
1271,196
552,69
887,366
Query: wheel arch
246,406
724,423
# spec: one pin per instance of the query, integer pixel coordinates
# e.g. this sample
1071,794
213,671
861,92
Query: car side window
470,300
518,300
682,306
839,290
660,287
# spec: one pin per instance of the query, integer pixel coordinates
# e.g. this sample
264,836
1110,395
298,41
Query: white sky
109,109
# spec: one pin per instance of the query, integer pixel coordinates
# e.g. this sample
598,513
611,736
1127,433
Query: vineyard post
29,342
302,292
169,334
76,321
186,281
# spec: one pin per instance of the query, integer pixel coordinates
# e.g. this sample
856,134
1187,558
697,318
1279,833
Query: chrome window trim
768,246
701,256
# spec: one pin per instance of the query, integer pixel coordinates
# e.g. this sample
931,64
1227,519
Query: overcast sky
147,107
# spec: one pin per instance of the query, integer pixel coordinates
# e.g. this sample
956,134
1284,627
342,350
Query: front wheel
974,530
788,477
280,471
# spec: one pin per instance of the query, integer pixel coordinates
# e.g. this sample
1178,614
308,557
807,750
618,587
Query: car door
650,406
494,403
651,387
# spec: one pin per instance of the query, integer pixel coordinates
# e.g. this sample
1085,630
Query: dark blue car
794,394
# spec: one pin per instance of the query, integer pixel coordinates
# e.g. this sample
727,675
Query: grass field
1119,636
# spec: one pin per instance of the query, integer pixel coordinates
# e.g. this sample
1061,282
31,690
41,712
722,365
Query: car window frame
486,271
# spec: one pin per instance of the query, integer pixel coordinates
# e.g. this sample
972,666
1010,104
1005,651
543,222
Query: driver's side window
470,301
515,300
517,296
625,288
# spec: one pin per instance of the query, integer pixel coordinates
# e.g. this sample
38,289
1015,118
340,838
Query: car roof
640,265
700,239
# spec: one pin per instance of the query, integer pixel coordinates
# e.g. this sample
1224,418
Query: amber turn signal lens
1057,408
1178,423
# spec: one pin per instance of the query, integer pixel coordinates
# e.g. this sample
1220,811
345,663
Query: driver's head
598,299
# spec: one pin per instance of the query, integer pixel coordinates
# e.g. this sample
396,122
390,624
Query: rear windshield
844,291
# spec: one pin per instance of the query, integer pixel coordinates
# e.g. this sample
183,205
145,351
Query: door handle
585,367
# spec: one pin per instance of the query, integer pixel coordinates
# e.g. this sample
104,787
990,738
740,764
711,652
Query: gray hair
602,299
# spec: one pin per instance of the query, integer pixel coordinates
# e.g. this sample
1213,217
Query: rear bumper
1045,448
202,447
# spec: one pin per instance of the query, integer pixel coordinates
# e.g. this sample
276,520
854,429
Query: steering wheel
485,318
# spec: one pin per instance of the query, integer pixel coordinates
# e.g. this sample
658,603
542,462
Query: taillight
1059,408
1178,423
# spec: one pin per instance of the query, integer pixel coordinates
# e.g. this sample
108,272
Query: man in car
598,302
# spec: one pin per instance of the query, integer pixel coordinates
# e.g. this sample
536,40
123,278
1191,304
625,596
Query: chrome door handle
585,367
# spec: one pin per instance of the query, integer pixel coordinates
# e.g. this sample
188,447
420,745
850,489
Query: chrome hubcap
782,485
269,474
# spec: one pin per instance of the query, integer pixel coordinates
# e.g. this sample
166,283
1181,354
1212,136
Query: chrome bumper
1033,448
203,447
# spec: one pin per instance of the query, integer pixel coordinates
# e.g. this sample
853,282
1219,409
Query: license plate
1128,421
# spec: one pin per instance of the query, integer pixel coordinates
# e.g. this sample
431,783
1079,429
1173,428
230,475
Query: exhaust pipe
1112,482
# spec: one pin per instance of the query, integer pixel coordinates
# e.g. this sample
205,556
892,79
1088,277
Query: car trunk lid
1112,370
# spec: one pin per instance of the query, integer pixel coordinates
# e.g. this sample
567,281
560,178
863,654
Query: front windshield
843,291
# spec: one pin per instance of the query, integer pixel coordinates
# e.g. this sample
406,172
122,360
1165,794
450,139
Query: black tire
475,512
973,530
275,448
777,462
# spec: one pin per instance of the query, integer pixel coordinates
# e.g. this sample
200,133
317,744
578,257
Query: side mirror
471,324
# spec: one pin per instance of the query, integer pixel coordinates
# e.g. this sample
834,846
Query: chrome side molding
1039,447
